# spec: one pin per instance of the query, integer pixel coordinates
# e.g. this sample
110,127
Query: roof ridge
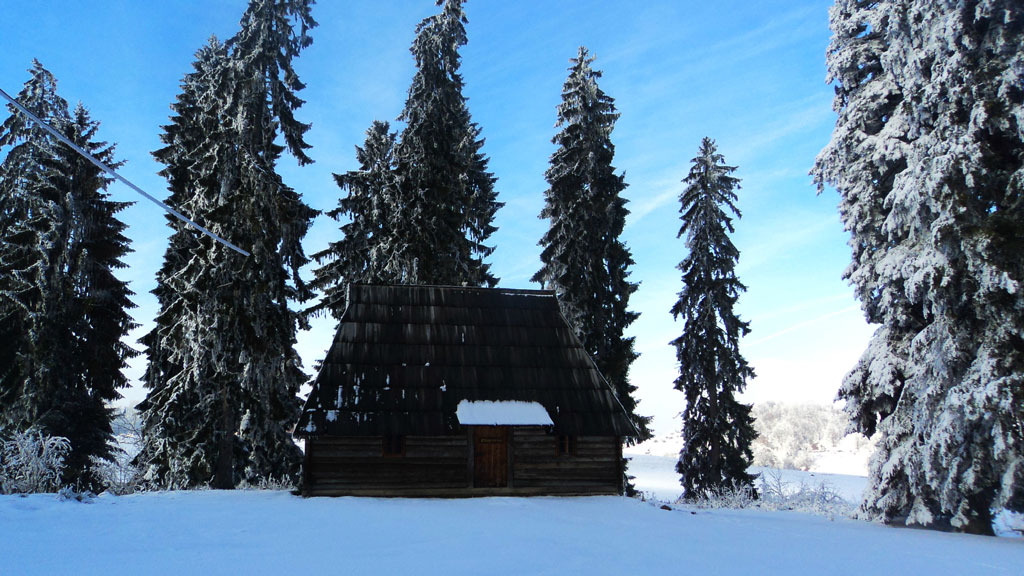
521,291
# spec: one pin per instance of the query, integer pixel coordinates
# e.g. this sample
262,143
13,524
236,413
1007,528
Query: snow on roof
502,413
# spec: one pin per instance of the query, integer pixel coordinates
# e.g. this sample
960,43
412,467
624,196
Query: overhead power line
117,176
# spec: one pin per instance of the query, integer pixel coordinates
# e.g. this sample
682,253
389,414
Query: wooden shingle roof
405,356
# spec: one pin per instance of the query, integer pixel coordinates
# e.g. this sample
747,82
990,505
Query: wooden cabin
454,391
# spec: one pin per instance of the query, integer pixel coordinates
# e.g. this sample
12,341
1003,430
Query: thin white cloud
801,325
639,209
804,305
802,117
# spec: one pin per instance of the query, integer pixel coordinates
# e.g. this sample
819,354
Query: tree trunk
223,476
716,438
980,520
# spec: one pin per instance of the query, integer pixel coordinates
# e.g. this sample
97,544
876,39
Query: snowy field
656,477
250,532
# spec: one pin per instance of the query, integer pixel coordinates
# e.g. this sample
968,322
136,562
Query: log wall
595,468
442,466
354,465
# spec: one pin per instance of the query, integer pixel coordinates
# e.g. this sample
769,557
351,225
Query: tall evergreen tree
223,374
420,207
25,219
447,193
62,245
927,158
372,248
717,429
584,261
191,390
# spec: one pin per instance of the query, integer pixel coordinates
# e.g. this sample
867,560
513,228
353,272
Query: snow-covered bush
733,498
774,493
1009,523
68,493
822,498
31,462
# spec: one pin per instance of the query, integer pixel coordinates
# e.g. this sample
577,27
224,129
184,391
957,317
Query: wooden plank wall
441,466
537,466
354,465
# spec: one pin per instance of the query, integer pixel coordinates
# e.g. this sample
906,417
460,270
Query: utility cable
117,176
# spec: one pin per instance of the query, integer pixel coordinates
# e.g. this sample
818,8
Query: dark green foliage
420,207
24,220
584,261
262,54
372,247
447,194
65,310
717,429
223,373
181,408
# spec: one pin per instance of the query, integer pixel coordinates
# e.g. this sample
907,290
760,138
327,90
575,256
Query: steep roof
405,356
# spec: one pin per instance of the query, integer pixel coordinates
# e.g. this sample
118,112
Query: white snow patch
502,413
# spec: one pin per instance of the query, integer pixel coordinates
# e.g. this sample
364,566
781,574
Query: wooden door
490,456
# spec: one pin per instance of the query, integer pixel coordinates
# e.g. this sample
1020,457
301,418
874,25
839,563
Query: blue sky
749,74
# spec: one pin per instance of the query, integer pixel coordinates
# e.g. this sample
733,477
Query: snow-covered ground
250,532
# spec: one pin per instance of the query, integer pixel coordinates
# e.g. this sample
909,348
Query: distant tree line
792,436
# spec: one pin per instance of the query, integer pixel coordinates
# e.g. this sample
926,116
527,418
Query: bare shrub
728,498
268,484
821,498
121,475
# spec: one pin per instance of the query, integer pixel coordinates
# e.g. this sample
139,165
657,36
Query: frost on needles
928,159
223,374
63,311
584,261
421,205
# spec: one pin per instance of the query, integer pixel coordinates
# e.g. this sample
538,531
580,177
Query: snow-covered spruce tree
25,219
188,416
73,309
372,248
928,158
584,261
270,219
223,374
447,194
98,313
717,429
